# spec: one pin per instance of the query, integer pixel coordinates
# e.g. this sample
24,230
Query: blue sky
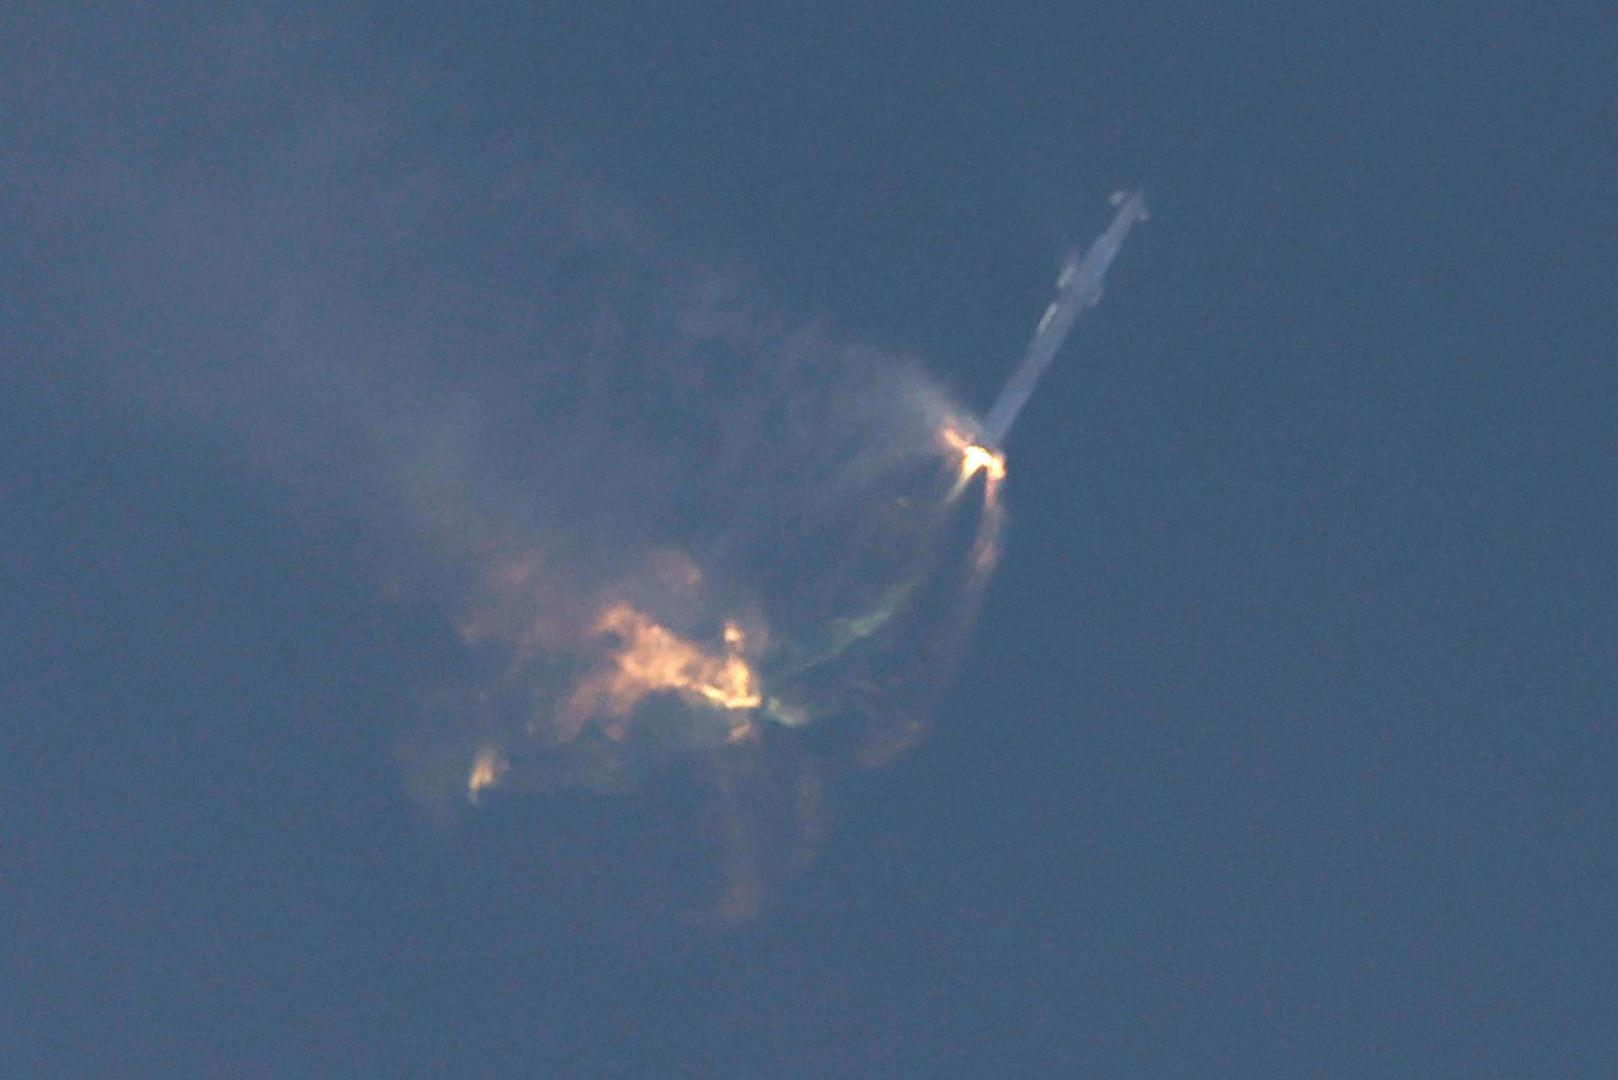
1283,741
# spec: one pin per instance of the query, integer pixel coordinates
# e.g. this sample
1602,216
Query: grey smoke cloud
677,530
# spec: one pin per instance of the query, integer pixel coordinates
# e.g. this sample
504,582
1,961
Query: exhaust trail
1078,287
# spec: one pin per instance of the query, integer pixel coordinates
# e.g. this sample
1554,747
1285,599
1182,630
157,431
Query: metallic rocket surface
1078,287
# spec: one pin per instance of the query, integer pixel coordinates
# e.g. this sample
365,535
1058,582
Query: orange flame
651,659
975,458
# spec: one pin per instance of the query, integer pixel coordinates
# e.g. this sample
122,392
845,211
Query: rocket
1078,287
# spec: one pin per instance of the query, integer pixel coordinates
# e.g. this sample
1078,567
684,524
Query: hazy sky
1283,742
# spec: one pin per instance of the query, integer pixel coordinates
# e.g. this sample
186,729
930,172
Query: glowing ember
487,768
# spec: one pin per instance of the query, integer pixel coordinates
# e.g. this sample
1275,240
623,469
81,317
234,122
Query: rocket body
1078,287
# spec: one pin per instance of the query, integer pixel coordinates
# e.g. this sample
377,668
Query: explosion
655,670
650,659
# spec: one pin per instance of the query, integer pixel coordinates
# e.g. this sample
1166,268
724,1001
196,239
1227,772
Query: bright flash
975,458
650,659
